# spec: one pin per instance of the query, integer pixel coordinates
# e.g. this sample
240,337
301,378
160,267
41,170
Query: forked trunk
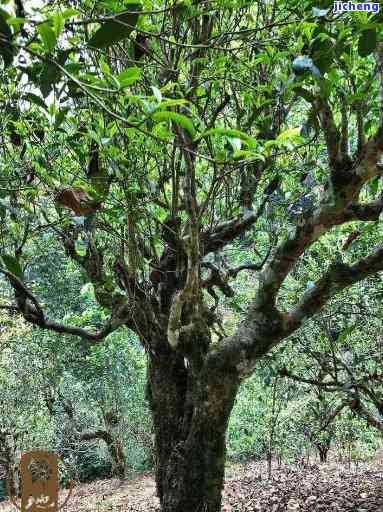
190,415
323,450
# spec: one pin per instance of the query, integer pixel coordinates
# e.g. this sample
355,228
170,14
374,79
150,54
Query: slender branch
332,385
338,277
10,307
226,232
29,307
233,272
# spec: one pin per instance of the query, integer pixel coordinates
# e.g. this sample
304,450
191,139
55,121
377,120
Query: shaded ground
317,489
327,488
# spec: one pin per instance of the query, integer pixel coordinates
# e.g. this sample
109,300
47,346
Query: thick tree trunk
190,415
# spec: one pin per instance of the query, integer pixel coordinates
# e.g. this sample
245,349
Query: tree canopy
147,142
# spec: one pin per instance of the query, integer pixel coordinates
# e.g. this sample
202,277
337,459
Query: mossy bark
190,415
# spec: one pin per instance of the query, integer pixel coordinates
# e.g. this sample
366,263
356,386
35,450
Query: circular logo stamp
39,483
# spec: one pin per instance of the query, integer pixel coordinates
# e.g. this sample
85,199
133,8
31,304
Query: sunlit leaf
180,119
229,132
129,76
47,35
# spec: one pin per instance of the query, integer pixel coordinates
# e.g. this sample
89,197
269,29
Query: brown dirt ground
325,488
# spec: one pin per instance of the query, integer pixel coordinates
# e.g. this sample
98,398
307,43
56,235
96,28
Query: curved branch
265,326
29,307
362,411
338,277
226,232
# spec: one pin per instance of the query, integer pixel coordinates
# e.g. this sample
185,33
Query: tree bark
190,415
323,449
116,451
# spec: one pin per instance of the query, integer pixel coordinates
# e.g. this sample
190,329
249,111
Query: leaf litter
318,488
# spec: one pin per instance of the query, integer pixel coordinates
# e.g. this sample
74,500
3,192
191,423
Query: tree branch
98,434
29,307
265,325
338,277
226,232
334,212
312,382
190,292
344,128
330,132
10,307
360,409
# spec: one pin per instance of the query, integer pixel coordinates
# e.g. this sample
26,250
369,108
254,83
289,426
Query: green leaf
374,185
59,117
367,42
12,264
16,21
157,93
129,76
47,35
69,13
242,154
6,51
184,121
173,103
289,134
58,23
51,74
229,132
115,30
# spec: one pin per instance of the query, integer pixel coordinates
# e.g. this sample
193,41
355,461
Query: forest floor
319,488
